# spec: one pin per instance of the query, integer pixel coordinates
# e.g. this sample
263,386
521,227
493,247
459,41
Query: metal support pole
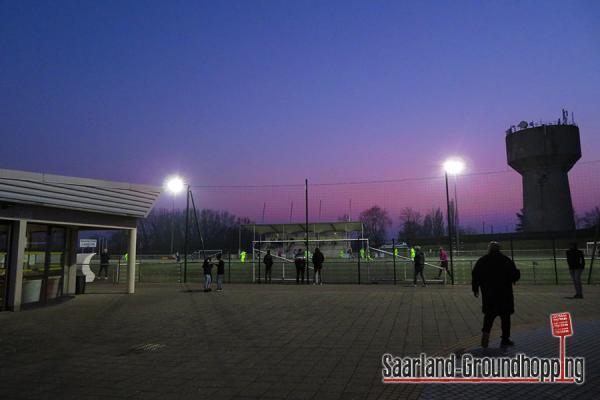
594,251
259,257
359,248
449,228
306,263
229,268
512,250
394,258
185,240
554,257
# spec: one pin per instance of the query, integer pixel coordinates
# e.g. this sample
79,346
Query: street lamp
452,166
176,185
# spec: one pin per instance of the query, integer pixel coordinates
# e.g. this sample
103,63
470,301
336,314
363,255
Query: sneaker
507,342
485,340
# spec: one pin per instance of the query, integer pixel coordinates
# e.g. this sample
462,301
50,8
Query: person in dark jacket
419,261
495,274
207,267
300,264
576,262
104,262
317,260
220,272
268,260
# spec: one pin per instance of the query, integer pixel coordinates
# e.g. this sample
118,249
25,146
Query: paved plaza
272,341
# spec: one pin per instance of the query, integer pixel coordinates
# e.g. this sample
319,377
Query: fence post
259,261
554,256
533,267
512,251
594,251
229,268
140,272
359,264
394,258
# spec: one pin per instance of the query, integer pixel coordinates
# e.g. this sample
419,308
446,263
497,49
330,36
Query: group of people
418,257
300,262
207,268
495,274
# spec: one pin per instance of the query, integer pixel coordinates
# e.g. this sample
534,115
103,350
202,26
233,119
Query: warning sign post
561,327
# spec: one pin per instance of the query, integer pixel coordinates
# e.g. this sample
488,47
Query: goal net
340,265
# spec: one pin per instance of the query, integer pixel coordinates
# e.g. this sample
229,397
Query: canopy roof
71,193
318,227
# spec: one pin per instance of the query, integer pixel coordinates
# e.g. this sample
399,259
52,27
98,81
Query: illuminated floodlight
174,185
454,166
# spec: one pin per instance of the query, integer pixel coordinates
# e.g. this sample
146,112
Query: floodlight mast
176,185
173,185
452,166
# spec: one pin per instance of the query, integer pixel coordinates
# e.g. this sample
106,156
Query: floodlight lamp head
174,185
454,166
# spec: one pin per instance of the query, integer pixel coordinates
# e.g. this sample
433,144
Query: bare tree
376,221
411,224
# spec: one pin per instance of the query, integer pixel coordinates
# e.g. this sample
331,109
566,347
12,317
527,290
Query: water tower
543,154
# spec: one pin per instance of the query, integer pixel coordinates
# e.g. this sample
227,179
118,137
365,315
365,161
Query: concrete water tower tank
543,155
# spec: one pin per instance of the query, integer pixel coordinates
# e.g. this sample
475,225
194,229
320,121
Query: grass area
534,270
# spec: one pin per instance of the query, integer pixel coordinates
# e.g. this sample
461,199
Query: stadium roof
319,227
91,195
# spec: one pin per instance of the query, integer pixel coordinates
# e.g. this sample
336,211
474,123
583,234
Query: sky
273,92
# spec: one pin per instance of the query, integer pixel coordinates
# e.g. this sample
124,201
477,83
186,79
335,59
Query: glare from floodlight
454,166
174,185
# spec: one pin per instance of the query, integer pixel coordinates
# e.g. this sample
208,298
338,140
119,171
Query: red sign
561,324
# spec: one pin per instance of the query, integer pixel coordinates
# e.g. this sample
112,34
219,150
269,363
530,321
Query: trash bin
80,284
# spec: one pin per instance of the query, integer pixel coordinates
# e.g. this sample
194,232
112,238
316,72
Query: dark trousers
419,271
444,267
576,276
488,322
268,269
103,267
299,274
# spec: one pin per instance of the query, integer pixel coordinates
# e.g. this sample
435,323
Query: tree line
163,231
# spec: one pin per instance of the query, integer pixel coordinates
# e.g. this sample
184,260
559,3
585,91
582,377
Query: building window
43,263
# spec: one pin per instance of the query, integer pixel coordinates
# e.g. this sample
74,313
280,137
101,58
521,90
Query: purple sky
257,92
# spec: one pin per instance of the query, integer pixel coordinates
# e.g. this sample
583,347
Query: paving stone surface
256,341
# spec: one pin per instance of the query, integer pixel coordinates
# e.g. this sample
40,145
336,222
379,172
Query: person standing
495,274
268,260
207,267
317,260
300,264
419,261
576,262
104,262
220,272
444,263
